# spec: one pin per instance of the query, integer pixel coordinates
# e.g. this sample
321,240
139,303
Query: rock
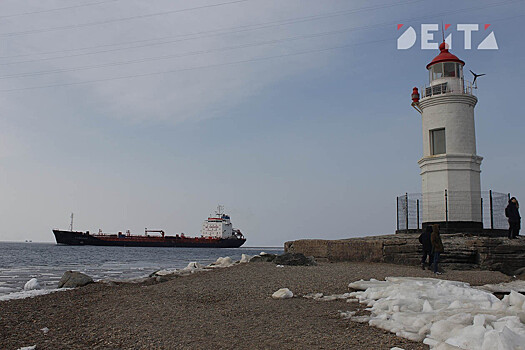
162,279
263,258
462,251
283,293
295,259
73,279
32,284
520,272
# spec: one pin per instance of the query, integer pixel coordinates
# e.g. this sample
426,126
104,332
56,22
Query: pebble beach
229,308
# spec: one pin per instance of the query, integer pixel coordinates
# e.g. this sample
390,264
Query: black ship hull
84,238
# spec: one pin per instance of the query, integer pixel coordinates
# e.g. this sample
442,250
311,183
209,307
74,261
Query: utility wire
57,9
261,26
196,68
226,30
216,65
199,52
191,53
97,23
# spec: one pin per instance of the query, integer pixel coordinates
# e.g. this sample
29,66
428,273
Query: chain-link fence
487,207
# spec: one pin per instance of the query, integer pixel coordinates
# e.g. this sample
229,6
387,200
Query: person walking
512,212
437,247
424,239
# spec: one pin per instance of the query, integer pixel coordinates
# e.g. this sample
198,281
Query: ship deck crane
146,231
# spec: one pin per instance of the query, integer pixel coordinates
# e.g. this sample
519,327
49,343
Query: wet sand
228,308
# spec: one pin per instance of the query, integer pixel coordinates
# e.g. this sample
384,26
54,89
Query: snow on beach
443,314
196,267
29,293
33,288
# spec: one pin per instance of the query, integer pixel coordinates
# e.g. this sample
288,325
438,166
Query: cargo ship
217,232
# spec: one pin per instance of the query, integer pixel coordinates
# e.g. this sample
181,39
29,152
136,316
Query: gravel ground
221,309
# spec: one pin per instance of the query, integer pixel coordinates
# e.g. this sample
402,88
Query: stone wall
462,251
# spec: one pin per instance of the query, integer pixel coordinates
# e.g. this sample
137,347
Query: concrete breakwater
462,251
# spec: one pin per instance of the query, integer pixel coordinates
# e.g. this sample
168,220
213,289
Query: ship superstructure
218,226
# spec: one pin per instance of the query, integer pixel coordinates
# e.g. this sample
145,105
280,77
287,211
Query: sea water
47,262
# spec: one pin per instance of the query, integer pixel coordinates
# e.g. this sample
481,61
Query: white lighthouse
450,167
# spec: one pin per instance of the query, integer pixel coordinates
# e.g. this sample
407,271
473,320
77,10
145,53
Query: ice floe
245,258
322,297
32,284
222,262
29,293
517,286
192,266
444,314
283,293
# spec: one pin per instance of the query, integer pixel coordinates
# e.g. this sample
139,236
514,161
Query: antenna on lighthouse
443,30
71,225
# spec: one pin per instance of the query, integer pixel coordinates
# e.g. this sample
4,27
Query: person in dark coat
512,212
437,247
424,239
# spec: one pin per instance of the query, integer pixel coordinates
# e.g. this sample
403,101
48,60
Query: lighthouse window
437,71
437,142
449,69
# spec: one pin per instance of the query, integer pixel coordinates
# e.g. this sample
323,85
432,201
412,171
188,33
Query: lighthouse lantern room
450,167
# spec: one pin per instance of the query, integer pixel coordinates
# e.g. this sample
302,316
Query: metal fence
488,206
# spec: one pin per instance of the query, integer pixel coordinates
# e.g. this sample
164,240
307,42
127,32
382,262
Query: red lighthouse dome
445,56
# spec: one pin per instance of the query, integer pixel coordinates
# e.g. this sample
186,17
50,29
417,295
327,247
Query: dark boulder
73,279
295,259
263,258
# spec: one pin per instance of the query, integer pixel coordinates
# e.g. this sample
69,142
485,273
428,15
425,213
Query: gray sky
294,114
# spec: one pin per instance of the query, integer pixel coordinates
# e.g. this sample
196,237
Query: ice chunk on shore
283,293
346,314
30,293
33,347
444,314
517,286
245,258
222,262
192,266
165,272
32,284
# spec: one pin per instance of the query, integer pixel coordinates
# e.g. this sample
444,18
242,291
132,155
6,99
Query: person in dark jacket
437,247
513,213
424,239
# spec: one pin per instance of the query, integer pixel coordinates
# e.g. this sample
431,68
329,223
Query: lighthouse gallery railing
443,88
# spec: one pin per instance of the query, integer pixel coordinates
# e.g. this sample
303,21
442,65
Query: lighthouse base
456,226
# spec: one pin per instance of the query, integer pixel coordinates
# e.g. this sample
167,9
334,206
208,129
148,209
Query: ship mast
220,208
71,225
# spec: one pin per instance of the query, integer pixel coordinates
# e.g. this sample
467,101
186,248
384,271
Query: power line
196,68
90,24
211,66
193,53
261,26
220,31
206,51
57,9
